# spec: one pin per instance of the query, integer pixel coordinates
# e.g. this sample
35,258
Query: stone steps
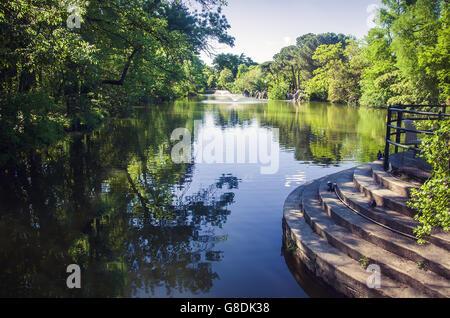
406,163
331,265
388,181
435,258
362,204
414,173
364,182
385,216
354,246
333,230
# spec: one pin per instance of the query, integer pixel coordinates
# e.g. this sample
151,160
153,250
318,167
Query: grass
291,245
364,262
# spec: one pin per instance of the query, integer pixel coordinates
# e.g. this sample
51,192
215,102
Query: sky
262,27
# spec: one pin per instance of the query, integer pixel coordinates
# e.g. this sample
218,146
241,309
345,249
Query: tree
125,53
288,63
327,78
242,69
295,66
254,79
407,54
196,78
278,91
232,62
422,17
212,81
308,43
378,78
338,76
435,59
225,79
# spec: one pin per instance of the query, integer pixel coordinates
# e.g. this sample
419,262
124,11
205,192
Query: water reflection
295,179
140,225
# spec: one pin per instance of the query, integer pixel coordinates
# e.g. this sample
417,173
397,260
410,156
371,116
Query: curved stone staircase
363,221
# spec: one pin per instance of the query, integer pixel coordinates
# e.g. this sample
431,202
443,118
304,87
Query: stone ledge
329,264
396,267
436,258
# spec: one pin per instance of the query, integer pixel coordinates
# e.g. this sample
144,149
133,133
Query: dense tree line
228,67
403,60
56,75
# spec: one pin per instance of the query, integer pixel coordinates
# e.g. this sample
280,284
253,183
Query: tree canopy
59,73
231,62
404,59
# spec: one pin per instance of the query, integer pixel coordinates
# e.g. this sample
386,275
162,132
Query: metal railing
400,113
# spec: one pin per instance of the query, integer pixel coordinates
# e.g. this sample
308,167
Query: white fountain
226,97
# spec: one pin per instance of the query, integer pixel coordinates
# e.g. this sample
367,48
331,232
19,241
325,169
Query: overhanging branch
125,70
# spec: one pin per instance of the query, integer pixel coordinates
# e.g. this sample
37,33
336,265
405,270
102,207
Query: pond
141,225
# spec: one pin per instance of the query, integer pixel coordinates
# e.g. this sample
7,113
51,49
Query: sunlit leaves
432,200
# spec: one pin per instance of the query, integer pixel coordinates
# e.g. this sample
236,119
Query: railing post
388,136
398,132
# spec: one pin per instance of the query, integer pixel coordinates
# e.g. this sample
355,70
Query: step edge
414,254
361,288
385,258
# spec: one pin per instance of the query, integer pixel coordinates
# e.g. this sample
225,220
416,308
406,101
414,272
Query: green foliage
421,265
253,79
278,91
404,60
381,74
338,75
423,18
432,200
242,69
27,121
308,43
212,81
225,79
291,245
317,87
435,59
329,59
364,262
231,62
196,80
296,67
407,55
125,53
287,66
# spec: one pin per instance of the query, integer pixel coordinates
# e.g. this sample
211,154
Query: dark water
140,225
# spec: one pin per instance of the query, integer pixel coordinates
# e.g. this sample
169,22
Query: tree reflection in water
132,229
114,203
174,235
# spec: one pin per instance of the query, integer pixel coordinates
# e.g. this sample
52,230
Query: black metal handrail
399,111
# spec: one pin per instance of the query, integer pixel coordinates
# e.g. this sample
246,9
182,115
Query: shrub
27,121
431,201
278,91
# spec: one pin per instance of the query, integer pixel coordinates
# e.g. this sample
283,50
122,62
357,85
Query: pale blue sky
263,27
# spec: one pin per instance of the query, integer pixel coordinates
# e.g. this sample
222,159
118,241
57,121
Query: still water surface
140,225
